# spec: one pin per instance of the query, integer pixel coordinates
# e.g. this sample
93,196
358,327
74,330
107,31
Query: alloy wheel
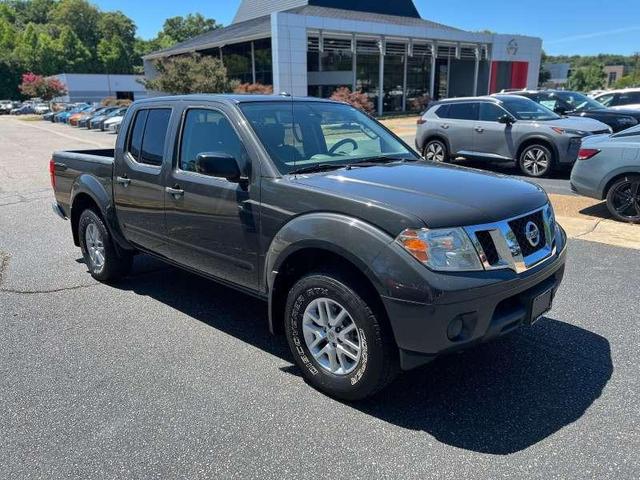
536,161
435,152
331,336
95,246
626,200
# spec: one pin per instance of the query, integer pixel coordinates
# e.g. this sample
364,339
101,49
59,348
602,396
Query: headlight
448,249
569,131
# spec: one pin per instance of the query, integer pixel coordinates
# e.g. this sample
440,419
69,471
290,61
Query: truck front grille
518,243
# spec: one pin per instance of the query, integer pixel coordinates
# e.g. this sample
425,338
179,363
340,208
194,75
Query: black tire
378,363
623,199
436,151
115,265
536,161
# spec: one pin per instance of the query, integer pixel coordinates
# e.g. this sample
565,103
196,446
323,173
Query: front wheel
623,199
436,151
100,255
536,161
337,338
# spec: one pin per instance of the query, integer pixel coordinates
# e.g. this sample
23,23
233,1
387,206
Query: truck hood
578,123
439,195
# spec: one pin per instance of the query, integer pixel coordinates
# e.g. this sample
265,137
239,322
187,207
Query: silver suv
503,128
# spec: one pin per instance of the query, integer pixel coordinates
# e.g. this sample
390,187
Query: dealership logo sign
512,47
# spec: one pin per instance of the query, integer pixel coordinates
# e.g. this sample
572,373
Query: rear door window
463,111
442,111
155,134
135,138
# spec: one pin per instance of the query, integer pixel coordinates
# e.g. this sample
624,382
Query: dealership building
382,48
95,87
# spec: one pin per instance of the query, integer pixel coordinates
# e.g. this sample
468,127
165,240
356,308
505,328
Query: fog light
455,328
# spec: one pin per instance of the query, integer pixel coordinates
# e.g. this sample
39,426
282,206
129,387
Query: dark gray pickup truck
371,259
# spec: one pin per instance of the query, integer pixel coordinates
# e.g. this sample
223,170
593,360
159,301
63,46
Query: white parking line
72,137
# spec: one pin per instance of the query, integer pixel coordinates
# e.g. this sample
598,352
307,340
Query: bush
419,104
254,89
36,86
114,102
358,100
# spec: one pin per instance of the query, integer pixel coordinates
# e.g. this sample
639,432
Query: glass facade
393,85
237,59
264,61
418,82
368,75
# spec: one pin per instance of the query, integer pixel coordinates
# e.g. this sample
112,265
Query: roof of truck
233,98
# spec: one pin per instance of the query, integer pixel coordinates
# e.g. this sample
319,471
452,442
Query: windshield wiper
318,167
381,160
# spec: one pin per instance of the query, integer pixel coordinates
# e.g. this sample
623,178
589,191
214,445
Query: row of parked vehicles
29,107
544,131
105,118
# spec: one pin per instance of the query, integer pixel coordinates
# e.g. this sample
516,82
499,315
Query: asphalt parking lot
166,375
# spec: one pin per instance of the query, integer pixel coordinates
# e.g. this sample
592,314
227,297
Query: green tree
191,73
178,29
81,17
76,56
26,48
31,11
7,38
587,78
47,55
113,55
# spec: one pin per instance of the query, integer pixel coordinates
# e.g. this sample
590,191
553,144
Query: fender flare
353,239
89,185
618,172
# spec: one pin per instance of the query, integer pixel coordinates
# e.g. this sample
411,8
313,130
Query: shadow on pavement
599,210
497,398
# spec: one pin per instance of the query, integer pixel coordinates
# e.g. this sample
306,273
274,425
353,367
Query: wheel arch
529,141
436,136
316,241
614,176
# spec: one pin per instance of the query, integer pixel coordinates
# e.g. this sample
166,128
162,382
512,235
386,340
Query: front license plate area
540,305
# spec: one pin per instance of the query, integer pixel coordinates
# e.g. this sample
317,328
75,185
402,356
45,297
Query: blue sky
566,26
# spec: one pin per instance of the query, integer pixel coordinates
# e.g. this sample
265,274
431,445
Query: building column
381,77
434,56
253,62
289,53
476,71
354,63
404,83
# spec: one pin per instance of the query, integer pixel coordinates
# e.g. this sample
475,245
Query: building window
393,83
264,63
237,59
418,82
613,77
367,75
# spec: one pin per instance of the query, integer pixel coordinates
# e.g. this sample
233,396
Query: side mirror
220,165
507,119
560,110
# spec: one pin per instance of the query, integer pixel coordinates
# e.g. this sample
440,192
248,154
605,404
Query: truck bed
69,165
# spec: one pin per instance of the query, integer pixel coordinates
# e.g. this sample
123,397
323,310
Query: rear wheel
436,151
338,338
103,260
536,161
623,199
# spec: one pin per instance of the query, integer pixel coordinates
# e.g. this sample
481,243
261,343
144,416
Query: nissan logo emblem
532,232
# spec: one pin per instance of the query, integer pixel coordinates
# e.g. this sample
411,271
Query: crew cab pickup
371,259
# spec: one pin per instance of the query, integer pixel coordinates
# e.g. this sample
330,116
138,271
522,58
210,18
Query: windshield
524,109
579,102
304,134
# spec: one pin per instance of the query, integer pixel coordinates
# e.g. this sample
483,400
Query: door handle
124,181
176,192
445,126
479,129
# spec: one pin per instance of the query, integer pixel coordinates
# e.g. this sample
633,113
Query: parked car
370,257
114,119
576,104
75,118
25,109
608,168
83,122
620,99
63,117
503,128
41,108
97,120
5,107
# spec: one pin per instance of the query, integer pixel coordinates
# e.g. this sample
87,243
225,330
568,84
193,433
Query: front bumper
423,330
